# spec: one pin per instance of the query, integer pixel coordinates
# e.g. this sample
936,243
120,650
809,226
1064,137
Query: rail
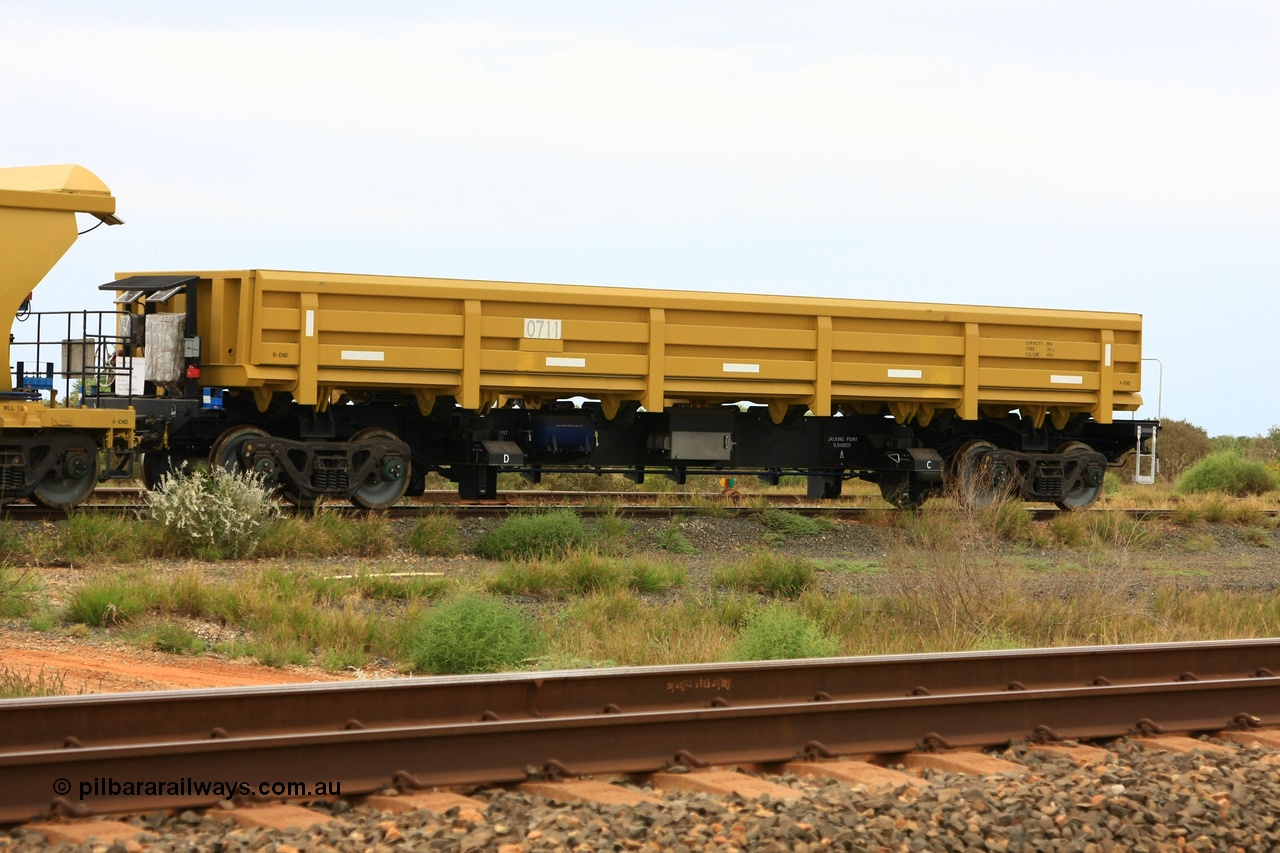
486,730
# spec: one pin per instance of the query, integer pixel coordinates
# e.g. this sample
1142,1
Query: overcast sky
1094,155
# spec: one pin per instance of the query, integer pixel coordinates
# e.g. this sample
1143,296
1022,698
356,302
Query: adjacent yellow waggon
51,452
355,386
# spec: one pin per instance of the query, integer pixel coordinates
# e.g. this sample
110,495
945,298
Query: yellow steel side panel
1033,382
364,378
737,337
480,341
893,373
655,391
820,403
561,364
308,390
512,328
718,368
879,343
718,391
904,393
217,323
553,386
471,396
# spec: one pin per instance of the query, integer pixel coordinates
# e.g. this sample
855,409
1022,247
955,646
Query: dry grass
953,578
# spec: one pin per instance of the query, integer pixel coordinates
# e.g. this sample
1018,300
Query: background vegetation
552,589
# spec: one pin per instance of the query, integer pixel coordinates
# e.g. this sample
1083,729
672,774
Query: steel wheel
226,450
899,493
77,481
387,484
304,501
1083,493
979,480
155,464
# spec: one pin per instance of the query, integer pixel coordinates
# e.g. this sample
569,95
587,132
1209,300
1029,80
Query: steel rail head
70,721
497,752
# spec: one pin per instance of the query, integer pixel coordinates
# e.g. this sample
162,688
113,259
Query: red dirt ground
87,666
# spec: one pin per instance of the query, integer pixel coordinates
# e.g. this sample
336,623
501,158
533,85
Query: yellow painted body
38,206
317,335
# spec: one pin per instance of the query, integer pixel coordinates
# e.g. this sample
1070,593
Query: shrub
1227,472
532,536
1180,446
213,513
472,634
779,632
435,535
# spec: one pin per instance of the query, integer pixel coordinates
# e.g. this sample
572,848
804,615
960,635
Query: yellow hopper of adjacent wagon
38,207
51,452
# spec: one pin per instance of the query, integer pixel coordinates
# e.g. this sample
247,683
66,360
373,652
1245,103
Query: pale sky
1092,155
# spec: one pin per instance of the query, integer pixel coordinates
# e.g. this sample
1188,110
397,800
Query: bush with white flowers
213,513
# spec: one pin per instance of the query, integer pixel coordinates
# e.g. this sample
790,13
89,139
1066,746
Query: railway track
422,733
124,501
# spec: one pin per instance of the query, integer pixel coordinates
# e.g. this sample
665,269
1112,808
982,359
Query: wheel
155,464
80,468
980,480
388,482
900,493
226,450
897,493
1085,491
304,501
417,483
824,487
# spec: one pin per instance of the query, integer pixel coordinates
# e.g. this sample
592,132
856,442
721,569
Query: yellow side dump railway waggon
356,386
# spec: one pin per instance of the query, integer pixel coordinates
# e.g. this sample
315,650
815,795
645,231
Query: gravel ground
860,556
1137,799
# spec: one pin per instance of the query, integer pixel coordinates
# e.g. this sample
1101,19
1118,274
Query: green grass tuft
768,573
19,592
533,536
472,634
435,535
671,539
789,524
114,598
